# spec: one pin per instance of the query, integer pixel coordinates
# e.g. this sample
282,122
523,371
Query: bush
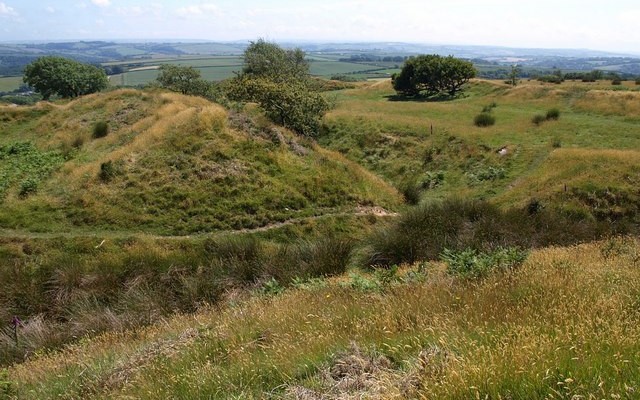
469,263
100,129
538,119
553,114
410,192
484,119
28,186
423,232
616,81
638,81
109,170
489,107
556,143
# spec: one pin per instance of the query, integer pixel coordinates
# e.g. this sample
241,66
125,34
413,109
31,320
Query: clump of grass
556,143
100,129
489,107
484,119
109,170
553,114
470,263
423,232
538,119
28,186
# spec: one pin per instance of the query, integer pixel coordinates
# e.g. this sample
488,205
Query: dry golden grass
576,168
565,325
607,102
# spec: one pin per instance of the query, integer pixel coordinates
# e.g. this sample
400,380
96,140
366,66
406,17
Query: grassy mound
170,164
434,149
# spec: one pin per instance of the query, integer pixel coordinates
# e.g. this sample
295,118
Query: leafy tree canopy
64,77
185,80
433,74
268,60
278,81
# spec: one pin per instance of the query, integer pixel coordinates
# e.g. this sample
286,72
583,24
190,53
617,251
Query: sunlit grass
564,324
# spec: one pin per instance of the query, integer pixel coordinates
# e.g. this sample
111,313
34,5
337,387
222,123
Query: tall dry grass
563,325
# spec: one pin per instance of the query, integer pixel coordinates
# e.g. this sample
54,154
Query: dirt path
358,212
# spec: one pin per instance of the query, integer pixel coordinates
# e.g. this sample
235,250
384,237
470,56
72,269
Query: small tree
278,80
514,75
432,75
185,80
63,77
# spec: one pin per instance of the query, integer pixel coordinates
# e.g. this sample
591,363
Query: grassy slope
565,324
178,167
394,139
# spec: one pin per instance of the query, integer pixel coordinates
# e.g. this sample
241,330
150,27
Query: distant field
9,83
217,68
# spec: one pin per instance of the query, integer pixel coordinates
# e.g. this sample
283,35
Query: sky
584,24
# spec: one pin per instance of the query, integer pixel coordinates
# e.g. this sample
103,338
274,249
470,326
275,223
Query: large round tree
64,77
433,74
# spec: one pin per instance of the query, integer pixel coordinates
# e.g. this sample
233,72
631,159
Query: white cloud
101,3
50,10
198,10
7,10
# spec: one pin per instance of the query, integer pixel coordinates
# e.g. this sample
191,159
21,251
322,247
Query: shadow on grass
425,99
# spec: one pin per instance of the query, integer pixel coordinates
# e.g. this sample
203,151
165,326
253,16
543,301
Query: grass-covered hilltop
278,236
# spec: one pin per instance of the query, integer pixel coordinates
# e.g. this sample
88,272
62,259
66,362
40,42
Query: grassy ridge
434,148
174,165
567,326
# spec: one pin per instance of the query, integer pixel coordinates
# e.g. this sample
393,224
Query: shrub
538,119
553,114
469,263
100,129
638,81
484,119
108,171
489,107
616,81
556,143
423,232
411,192
28,186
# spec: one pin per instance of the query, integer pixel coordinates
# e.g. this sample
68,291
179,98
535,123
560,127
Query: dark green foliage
188,81
514,76
109,170
28,186
432,75
593,76
470,263
278,80
291,104
551,79
484,119
268,60
638,81
100,129
52,75
616,81
23,162
423,232
124,283
538,119
556,143
553,114
410,192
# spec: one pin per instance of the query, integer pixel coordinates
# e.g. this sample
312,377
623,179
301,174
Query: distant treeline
374,58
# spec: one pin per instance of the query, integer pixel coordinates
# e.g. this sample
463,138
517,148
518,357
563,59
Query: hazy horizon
545,24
